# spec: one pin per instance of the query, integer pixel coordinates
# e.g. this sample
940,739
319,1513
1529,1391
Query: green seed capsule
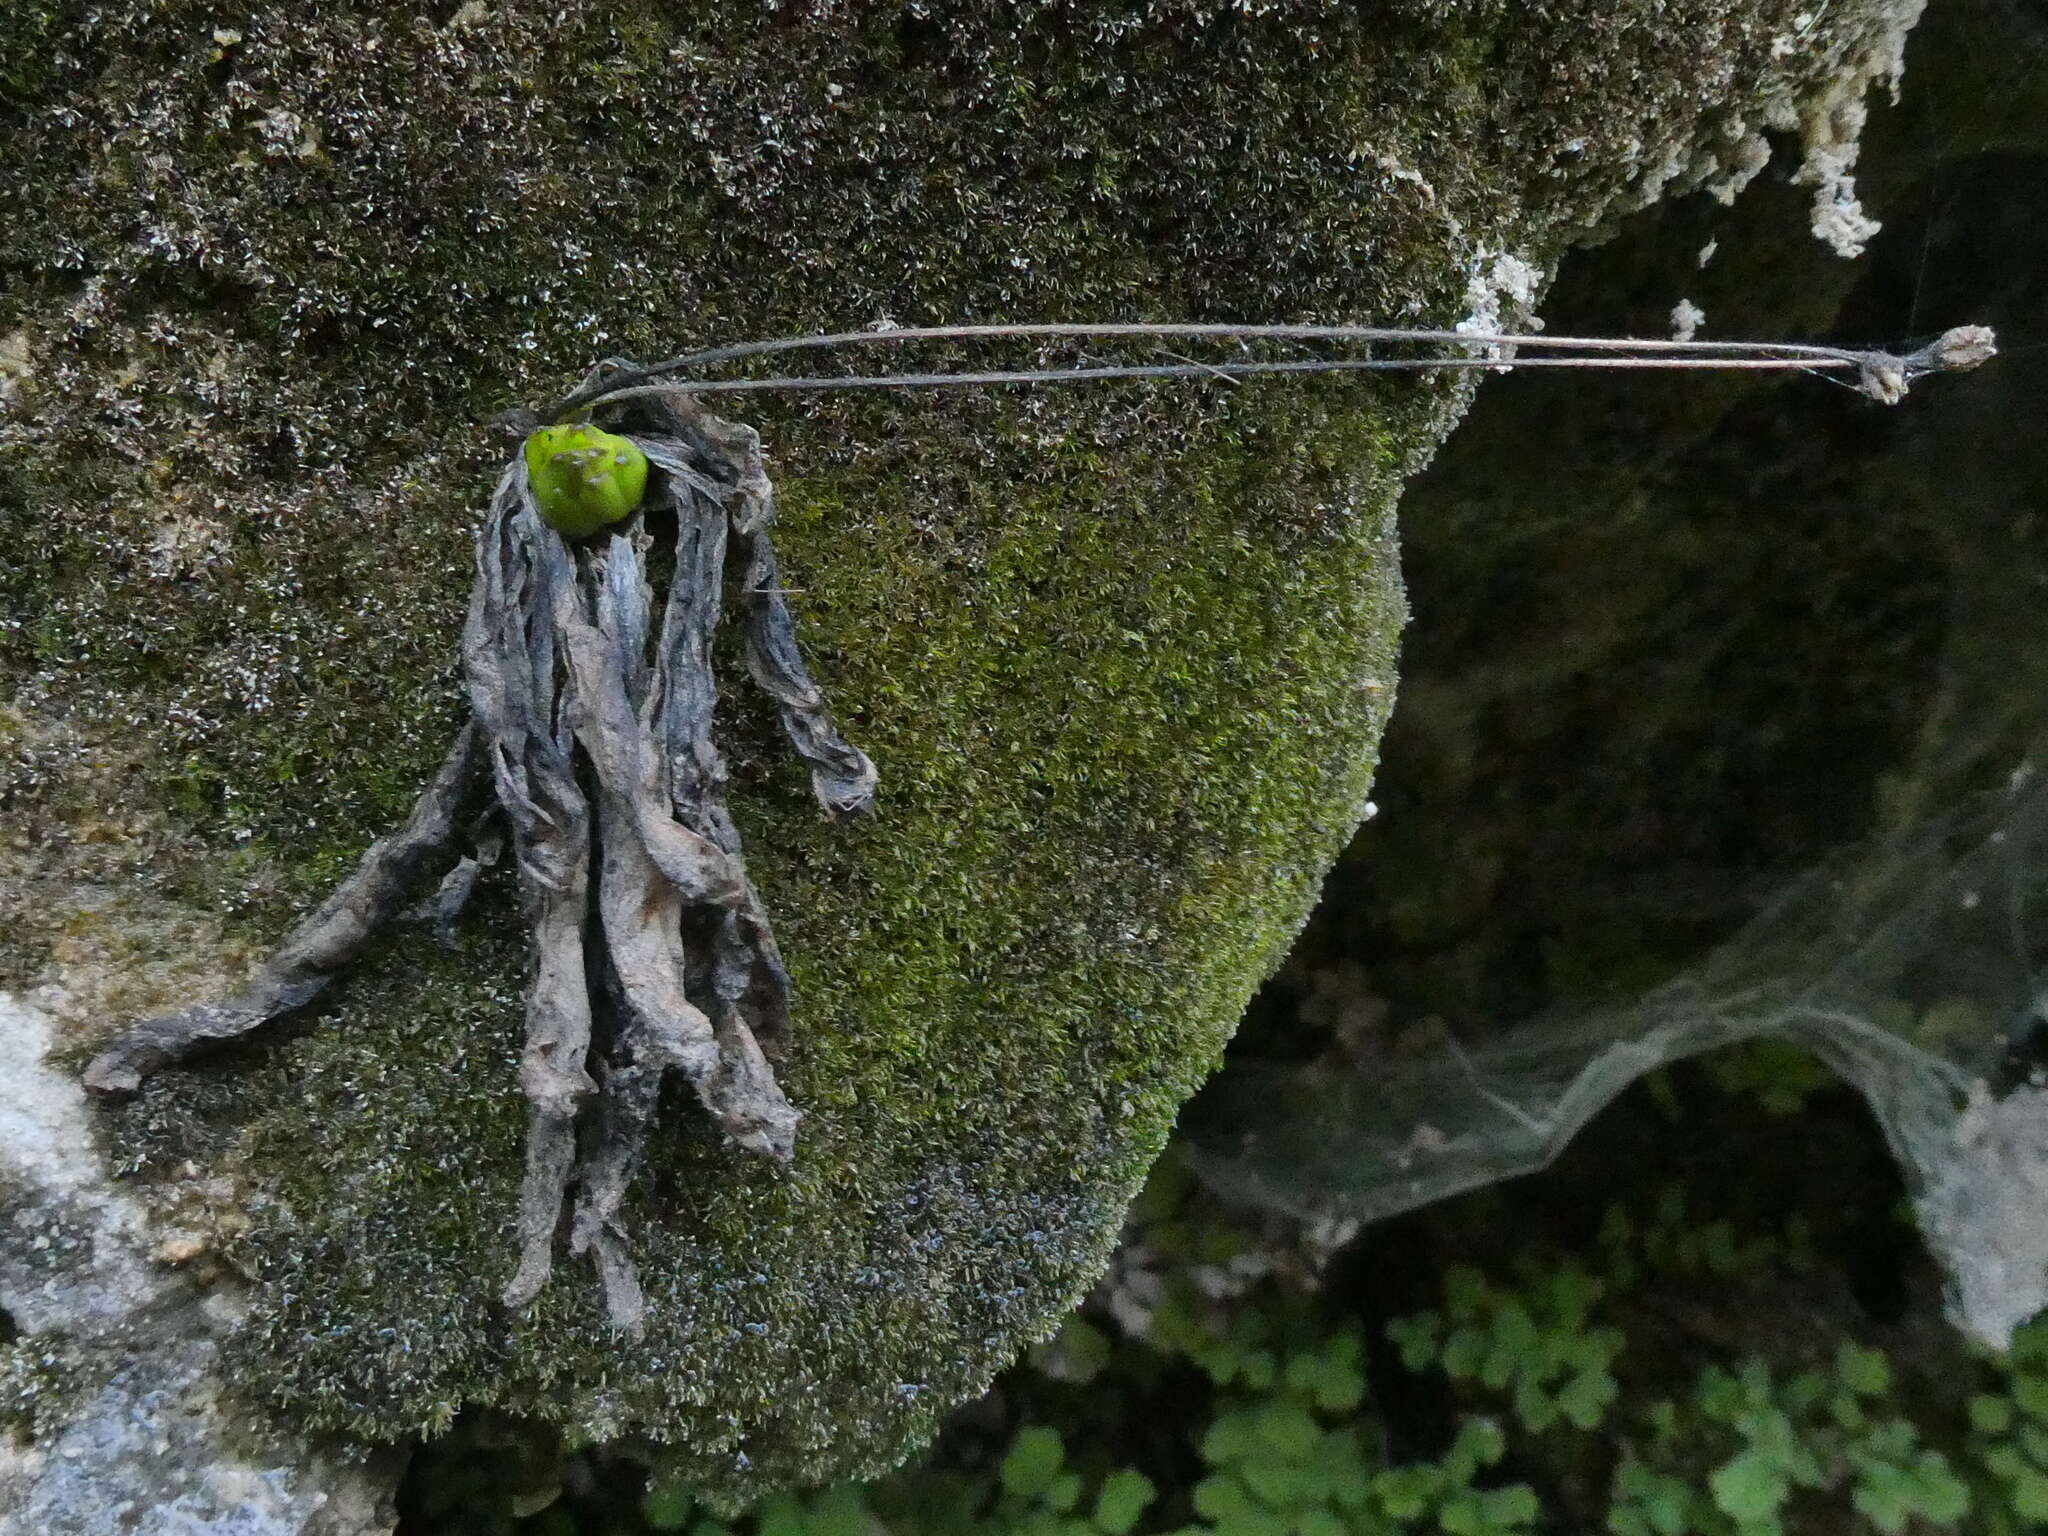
584,478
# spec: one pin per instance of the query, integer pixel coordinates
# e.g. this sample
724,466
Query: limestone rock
1123,653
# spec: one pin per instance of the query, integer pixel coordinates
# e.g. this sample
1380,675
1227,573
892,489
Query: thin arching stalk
1881,375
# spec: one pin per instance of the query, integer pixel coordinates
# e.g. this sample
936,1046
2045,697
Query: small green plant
2008,1435
1283,1452
1536,1345
1817,1430
1034,1491
1566,1409
1292,1449
1444,1495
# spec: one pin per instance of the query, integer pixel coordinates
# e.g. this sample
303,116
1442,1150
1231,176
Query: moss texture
1122,655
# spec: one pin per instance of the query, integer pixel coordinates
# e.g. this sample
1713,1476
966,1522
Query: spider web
1899,965
1911,963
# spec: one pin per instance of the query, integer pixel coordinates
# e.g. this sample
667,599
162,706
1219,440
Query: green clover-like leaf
1125,1496
1865,1372
1750,1489
1034,1461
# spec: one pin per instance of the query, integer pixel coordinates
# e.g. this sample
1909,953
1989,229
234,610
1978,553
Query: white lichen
288,136
1831,129
16,366
1740,166
1500,296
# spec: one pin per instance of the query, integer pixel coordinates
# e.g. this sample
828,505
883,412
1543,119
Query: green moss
1122,655
1101,824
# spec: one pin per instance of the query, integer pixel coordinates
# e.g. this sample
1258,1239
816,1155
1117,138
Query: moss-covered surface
1122,656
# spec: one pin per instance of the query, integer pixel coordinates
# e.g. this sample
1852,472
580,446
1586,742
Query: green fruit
584,478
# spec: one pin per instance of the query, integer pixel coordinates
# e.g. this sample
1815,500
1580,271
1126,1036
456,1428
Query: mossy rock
1122,654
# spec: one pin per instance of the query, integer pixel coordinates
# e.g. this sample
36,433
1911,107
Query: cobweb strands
1905,965
590,741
